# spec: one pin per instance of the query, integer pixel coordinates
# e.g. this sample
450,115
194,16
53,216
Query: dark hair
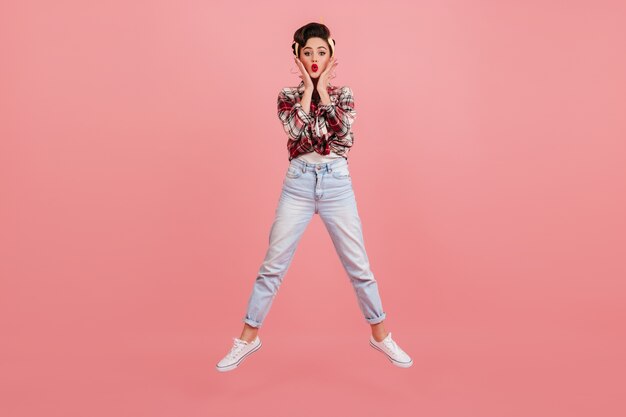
311,30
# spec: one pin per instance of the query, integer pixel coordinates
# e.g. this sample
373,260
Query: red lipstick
314,67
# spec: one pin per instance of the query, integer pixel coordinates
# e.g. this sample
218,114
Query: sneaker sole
239,362
392,360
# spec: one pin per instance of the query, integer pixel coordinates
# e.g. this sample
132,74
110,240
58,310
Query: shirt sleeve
292,115
340,116
302,144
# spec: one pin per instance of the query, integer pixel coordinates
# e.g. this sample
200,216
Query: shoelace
238,346
392,345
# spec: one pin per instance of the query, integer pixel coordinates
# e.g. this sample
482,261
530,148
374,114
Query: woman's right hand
304,75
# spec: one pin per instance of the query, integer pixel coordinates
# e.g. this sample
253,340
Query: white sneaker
393,352
238,352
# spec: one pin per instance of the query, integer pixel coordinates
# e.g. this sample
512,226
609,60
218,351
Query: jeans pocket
341,173
293,172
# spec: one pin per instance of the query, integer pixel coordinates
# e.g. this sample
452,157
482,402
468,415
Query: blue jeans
325,189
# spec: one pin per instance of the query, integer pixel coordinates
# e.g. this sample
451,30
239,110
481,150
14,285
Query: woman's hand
304,75
326,76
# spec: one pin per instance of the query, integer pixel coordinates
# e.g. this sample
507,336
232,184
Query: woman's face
315,56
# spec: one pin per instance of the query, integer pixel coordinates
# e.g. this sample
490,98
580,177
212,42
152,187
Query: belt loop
304,167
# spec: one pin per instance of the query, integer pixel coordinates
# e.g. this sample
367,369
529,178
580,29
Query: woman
317,117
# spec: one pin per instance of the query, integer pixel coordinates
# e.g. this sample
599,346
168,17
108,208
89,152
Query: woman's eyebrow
308,47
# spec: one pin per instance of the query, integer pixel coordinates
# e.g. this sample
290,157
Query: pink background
141,162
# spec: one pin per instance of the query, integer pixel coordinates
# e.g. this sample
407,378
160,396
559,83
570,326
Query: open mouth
314,67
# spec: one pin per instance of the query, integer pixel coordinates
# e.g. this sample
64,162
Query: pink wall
141,161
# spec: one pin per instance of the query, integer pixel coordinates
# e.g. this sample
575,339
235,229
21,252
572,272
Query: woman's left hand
327,75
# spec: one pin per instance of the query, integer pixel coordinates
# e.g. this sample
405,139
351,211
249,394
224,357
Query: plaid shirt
327,128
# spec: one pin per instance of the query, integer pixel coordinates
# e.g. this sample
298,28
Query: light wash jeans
325,189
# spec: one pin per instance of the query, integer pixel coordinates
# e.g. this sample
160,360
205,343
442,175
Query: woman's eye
322,53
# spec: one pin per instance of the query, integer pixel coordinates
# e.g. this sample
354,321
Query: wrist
324,97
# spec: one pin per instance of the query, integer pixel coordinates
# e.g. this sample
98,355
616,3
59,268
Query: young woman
317,117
